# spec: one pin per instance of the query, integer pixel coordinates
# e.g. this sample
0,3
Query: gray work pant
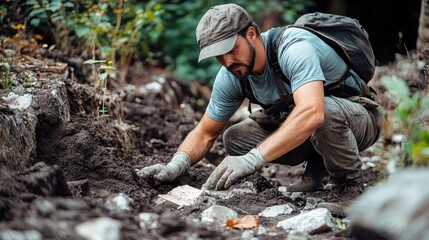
348,129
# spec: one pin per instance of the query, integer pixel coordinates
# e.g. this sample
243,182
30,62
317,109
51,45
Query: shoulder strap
274,37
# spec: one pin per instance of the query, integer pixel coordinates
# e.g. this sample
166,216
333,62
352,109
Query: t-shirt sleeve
226,96
300,63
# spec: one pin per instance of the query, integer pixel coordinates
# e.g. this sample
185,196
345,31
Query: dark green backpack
344,34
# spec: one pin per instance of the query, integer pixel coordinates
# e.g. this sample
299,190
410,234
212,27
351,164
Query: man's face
241,59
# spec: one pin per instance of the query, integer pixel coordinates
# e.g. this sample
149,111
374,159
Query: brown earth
80,164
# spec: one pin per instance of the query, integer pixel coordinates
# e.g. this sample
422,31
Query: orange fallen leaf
246,222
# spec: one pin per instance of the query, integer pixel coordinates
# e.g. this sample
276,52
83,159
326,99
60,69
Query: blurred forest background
130,34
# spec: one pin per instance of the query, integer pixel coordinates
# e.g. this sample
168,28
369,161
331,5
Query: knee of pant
230,138
332,109
334,120
333,115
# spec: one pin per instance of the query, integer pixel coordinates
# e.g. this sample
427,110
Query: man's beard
248,67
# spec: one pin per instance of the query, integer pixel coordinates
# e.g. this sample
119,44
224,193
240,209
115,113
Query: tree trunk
423,32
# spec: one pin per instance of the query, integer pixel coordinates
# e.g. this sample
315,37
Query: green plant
115,29
410,117
5,82
54,15
102,70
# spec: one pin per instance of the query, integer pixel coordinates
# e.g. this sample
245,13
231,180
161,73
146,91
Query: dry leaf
246,222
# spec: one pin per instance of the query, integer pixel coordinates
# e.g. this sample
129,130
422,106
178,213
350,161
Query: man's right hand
165,173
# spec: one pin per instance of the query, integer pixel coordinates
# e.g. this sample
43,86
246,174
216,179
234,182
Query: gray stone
20,235
297,235
274,211
218,214
102,228
17,133
311,203
119,202
148,221
317,220
394,209
182,196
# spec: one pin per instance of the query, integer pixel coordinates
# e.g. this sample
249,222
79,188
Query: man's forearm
292,133
305,118
196,145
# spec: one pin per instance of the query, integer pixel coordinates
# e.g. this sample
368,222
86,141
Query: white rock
102,228
261,230
183,196
18,102
396,207
316,220
248,235
297,235
274,211
218,214
20,235
148,221
119,202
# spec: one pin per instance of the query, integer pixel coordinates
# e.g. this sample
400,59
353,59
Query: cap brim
218,48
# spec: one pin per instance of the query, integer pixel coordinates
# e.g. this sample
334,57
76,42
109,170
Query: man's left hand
232,168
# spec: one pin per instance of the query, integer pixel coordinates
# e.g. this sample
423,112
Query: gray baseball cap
217,30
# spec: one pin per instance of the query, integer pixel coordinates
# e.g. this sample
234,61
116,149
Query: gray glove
165,173
232,168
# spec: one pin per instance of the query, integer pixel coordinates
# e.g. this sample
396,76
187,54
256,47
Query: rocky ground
68,173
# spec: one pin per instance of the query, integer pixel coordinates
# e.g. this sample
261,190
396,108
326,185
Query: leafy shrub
411,118
125,31
110,29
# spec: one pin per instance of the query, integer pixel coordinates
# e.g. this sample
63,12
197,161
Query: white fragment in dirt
18,102
368,165
54,93
398,138
319,219
297,235
261,230
119,202
274,211
282,189
154,86
311,203
218,214
148,221
24,235
102,228
248,235
376,158
183,196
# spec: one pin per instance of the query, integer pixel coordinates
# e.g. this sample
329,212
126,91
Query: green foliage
114,29
125,31
102,70
411,117
182,18
5,82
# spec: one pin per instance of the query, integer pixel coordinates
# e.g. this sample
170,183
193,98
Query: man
326,131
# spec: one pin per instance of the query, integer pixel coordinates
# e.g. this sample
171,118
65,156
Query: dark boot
342,194
312,178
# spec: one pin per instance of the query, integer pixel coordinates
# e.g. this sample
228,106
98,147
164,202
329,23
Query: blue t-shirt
303,58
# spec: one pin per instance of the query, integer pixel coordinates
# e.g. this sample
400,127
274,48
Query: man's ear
251,33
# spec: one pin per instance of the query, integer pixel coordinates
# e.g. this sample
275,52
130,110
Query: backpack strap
274,38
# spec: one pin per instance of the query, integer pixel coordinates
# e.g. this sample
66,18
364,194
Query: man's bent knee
240,138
